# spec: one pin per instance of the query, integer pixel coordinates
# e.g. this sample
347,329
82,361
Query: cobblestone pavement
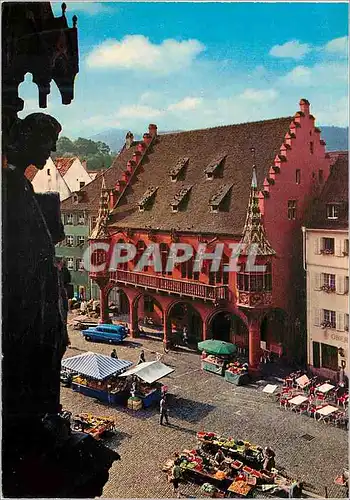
204,401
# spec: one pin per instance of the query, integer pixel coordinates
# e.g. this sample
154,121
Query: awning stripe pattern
97,366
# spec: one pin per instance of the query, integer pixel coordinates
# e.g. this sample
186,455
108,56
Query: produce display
236,475
215,360
236,368
95,426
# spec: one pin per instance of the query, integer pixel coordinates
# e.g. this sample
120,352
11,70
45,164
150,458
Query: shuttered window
329,357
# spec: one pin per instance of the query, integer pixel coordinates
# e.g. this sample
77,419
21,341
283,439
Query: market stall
96,376
97,427
237,374
146,378
216,354
226,473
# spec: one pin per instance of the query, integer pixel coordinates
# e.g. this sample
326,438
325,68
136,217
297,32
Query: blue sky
196,65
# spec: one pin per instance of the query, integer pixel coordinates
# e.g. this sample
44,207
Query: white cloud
138,111
320,75
335,112
137,52
255,95
186,104
338,46
292,50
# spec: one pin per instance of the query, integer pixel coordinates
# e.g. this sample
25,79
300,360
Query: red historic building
249,183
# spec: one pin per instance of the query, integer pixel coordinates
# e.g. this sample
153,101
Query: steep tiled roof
91,192
64,164
31,172
335,190
201,147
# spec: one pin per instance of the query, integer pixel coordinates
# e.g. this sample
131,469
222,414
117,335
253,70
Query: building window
81,184
346,247
70,219
298,176
328,282
320,176
80,264
316,354
48,172
70,263
164,252
328,319
292,209
346,284
148,304
255,282
81,240
329,357
93,221
327,246
332,211
81,219
311,147
346,322
69,240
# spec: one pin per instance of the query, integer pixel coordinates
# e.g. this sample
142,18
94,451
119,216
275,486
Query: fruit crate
134,404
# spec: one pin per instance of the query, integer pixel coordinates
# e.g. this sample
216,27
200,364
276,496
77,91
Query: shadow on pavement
189,410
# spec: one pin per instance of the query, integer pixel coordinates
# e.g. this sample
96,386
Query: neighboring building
327,265
79,215
63,175
199,186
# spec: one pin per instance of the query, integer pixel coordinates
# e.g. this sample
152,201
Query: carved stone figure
41,456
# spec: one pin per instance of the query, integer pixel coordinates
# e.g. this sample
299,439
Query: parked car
113,334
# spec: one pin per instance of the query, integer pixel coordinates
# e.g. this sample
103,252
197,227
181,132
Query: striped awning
97,366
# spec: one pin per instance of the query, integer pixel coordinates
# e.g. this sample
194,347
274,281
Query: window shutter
317,246
338,249
340,280
340,322
317,314
317,281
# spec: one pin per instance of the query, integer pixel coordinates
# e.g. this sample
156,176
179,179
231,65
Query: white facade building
326,253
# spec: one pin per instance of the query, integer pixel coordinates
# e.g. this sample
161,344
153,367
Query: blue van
113,334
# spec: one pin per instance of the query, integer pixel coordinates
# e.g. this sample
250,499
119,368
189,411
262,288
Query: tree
97,154
65,145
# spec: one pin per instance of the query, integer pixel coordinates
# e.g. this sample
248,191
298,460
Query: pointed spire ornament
254,231
100,231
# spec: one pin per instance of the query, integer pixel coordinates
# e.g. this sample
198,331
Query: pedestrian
269,459
83,307
185,335
114,354
176,475
142,358
295,490
219,457
163,411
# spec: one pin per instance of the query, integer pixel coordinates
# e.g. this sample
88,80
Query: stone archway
183,314
227,326
274,330
146,313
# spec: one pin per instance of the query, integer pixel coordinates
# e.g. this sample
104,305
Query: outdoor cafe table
303,381
297,400
324,388
326,410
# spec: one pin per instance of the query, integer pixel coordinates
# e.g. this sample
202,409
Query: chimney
130,165
304,106
152,130
129,139
136,157
141,147
147,139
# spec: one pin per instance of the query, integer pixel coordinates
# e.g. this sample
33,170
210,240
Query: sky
196,65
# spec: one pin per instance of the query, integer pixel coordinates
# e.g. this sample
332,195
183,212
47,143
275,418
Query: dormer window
147,198
216,202
180,198
175,173
332,211
214,167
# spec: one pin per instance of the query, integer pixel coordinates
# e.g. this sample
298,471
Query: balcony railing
254,299
182,288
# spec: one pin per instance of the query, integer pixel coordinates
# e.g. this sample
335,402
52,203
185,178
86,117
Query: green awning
218,347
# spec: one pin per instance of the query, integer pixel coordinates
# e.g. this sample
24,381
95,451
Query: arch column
134,319
254,343
102,283
166,327
205,330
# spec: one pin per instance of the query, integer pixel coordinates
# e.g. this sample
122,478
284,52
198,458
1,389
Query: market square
205,402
